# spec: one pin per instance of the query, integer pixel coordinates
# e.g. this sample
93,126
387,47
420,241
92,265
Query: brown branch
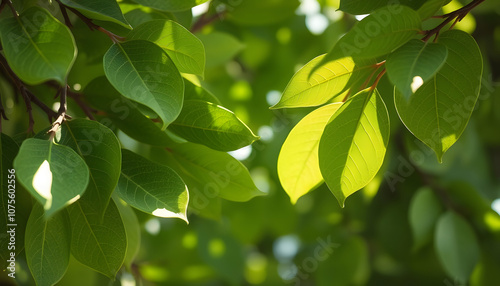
205,20
63,107
379,76
456,15
92,26
11,6
77,97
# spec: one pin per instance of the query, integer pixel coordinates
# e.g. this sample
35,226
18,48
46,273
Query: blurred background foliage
253,48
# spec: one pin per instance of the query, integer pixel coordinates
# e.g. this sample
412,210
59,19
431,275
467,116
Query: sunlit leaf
47,245
438,112
414,64
326,84
54,174
151,187
143,72
185,50
456,246
353,144
212,125
298,163
37,46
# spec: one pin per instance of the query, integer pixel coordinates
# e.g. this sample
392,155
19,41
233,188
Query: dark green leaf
358,7
353,144
37,46
438,112
424,212
54,174
105,10
143,72
132,229
47,245
456,246
212,125
185,50
100,149
98,242
152,188
414,64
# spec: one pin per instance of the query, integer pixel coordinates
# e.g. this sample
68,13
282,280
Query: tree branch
63,107
77,97
457,15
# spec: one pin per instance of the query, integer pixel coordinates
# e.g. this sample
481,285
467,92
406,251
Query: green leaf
327,83
171,5
380,33
98,242
47,245
220,47
438,112
212,125
54,174
124,113
152,188
185,50
195,91
298,163
414,64
456,245
143,72
269,12
37,46
359,7
353,144
104,10
424,212
132,229
213,173
430,8
100,149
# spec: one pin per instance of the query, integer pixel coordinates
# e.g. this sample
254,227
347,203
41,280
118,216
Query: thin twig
205,20
77,97
456,15
11,6
63,107
29,109
379,76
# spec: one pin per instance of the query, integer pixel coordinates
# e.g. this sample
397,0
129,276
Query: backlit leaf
326,84
298,163
353,144
185,50
54,174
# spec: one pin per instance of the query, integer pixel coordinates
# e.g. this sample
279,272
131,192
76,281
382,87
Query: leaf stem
205,20
456,15
11,6
63,107
379,76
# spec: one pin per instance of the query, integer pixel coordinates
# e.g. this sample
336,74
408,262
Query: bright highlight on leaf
298,163
42,183
328,83
416,83
353,144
